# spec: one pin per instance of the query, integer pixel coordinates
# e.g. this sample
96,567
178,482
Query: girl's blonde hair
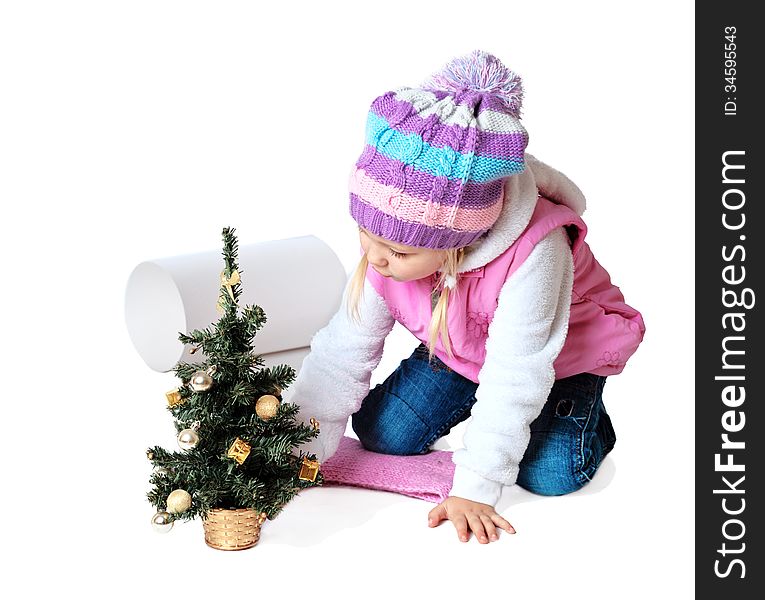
438,325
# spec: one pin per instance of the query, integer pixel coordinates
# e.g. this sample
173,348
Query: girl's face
399,262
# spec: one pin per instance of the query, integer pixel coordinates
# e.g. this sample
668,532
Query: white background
137,130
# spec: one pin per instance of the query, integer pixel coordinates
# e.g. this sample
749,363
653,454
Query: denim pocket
570,401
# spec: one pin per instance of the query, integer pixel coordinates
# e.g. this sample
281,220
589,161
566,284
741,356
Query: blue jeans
420,402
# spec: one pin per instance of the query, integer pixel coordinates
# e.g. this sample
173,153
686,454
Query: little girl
479,250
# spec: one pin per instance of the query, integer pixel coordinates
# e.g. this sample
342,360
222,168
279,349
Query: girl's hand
466,514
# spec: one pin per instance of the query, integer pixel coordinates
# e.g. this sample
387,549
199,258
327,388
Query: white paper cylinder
298,282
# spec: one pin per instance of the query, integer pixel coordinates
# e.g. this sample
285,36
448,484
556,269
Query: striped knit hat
433,169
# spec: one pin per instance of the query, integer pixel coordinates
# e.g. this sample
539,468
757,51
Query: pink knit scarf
425,476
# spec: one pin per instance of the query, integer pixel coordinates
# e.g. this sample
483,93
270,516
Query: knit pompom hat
433,170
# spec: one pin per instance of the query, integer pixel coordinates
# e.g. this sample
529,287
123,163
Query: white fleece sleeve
525,337
334,378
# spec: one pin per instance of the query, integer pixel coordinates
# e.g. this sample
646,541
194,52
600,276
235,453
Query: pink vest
603,331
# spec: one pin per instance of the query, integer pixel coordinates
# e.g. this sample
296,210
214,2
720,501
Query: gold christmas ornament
161,522
178,501
267,406
309,470
174,397
239,450
189,438
314,423
201,381
149,455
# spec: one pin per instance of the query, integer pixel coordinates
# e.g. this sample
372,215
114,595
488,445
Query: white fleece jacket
524,339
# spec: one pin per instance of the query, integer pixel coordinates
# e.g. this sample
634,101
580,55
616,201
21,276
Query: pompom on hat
433,169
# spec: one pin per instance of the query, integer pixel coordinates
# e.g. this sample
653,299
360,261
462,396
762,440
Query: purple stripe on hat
410,234
401,115
419,183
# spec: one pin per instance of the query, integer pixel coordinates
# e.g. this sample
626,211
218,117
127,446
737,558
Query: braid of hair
438,322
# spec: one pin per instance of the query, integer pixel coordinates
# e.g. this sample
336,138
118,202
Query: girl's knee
413,407
388,425
569,440
560,465
554,471
384,441
550,483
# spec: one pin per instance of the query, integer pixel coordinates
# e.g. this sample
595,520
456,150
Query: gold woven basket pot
233,528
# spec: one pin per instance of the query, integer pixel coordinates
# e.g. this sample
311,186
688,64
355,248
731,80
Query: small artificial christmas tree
235,467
